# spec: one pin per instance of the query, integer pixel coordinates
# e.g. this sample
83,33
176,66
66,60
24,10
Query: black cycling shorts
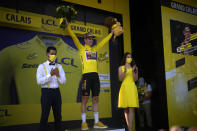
90,81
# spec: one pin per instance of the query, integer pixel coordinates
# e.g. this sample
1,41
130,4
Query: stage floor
92,129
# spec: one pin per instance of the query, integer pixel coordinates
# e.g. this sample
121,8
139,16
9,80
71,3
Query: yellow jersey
18,68
87,53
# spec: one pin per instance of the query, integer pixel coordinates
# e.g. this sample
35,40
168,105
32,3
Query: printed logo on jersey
67,61
25,65
4,113
64,61
91,55
32,56
103,57
24,45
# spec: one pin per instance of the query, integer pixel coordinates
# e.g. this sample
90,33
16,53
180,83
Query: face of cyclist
89,41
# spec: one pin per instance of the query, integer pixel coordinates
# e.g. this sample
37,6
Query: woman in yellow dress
128,95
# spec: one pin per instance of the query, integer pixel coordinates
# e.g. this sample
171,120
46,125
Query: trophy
113,24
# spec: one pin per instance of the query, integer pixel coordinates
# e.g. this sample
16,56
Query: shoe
99,125
84,126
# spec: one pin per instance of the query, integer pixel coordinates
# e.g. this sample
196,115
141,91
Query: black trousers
51,98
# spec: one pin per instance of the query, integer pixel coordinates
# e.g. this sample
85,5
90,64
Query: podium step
92,129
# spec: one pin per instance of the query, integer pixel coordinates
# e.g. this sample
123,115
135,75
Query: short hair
51,48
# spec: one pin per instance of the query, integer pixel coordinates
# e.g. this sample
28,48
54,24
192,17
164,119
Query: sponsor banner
180,7
104,83
179,24
19,19
104,77
82,29
105,90
43,23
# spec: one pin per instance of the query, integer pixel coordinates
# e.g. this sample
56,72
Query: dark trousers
50,98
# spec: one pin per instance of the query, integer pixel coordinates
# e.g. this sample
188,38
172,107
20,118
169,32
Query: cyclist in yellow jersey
90,78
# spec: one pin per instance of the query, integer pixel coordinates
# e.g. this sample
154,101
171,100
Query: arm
102,43
148,96
135,73
62,78
121,74
74,37
41,77
149,92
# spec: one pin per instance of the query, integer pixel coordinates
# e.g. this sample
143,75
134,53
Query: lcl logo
4,112
50,22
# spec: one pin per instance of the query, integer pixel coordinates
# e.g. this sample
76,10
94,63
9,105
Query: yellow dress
128,95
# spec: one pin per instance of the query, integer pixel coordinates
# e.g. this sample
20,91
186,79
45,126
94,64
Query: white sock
96,117
83,115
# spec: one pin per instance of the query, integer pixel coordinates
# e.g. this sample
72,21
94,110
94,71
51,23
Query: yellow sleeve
105,40
75,39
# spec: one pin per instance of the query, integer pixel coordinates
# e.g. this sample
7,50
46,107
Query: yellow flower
75,12
68,6
61,20
73,9
57,8
60,7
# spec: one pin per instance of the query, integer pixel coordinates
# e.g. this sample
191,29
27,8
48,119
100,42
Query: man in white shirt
145,93
49,76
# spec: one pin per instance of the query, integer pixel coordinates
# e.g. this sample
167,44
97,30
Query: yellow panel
179,99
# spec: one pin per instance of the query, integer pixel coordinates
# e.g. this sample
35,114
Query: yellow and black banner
180,7
179,24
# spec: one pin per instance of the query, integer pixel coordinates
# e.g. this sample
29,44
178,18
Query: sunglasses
90,38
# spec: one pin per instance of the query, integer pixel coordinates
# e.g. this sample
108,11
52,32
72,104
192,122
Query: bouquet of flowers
66,14
112,23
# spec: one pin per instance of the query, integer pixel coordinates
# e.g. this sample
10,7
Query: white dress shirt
148,89
48,81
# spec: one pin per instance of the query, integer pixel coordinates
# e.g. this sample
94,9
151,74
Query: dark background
147,48
147,51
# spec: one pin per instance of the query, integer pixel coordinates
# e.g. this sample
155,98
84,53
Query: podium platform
92,129
66,126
